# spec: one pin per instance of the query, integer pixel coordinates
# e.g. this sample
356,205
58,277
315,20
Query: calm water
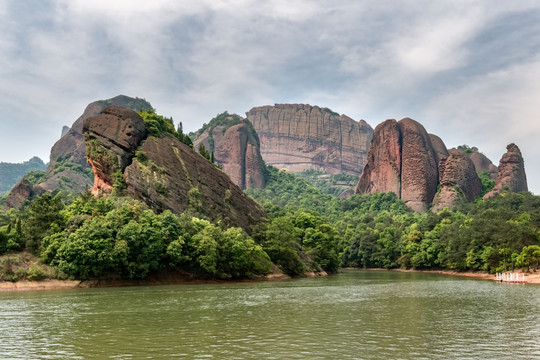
353,315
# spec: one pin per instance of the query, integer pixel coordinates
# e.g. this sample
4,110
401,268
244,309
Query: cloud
462,68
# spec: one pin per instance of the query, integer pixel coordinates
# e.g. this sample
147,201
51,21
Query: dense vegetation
158,125
378,230
11,173
118,236
328,183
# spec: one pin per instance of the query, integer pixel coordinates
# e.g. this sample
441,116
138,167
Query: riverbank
189,279
533,278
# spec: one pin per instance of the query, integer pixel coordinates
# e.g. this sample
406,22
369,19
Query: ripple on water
356,314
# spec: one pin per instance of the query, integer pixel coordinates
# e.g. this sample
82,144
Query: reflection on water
353,315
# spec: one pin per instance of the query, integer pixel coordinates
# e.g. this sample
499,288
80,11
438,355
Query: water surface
353,315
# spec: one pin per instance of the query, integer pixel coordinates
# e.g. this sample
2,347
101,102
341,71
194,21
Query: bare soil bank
184,278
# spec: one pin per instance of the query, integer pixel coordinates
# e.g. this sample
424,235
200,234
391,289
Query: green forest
308,230
11,173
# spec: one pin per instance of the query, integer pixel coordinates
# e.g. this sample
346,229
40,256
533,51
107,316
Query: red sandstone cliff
166,174
68,168
401,159
236,150
458,181
298,137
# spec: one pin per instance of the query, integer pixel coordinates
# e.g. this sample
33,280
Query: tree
43,217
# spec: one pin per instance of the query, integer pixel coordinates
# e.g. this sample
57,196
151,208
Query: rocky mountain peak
511,175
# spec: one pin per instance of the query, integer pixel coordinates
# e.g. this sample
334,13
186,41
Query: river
352,315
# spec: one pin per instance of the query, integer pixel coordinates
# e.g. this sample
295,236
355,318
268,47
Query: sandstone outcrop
419,173
162,171
111,139
382,172
481,163
439,148
22,191
236,150
511,174
299,137
68,168
401,159
458,181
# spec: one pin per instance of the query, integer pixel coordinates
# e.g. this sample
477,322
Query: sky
469,71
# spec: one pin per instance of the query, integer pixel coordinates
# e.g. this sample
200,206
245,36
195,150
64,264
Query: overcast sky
469,71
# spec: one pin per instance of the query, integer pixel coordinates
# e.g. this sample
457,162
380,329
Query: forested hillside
11,173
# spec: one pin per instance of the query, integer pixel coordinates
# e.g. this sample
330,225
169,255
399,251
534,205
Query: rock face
236,150
401,159
511,174
458,180
382,172
440,149
481,163
111,139
22,191
68,168
163,172
299,137
419,173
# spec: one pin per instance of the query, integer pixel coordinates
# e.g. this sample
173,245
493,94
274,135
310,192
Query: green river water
352,315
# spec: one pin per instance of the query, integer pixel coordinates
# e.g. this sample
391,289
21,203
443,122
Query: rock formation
68,168
22,191
111,139
401,159
458,181
161,171
481,163
440,149
511,175
419,173
236,150
382,172
299,137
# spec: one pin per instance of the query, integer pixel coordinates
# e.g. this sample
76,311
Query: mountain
11,173
236,149
68,168
404,159
299,137
161,171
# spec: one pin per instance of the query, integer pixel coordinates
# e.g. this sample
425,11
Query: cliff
68,168
401,159
162,171
459,181
511,175
481,163
299,137
236,149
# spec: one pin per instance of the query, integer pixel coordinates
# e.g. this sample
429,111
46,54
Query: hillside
11,173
